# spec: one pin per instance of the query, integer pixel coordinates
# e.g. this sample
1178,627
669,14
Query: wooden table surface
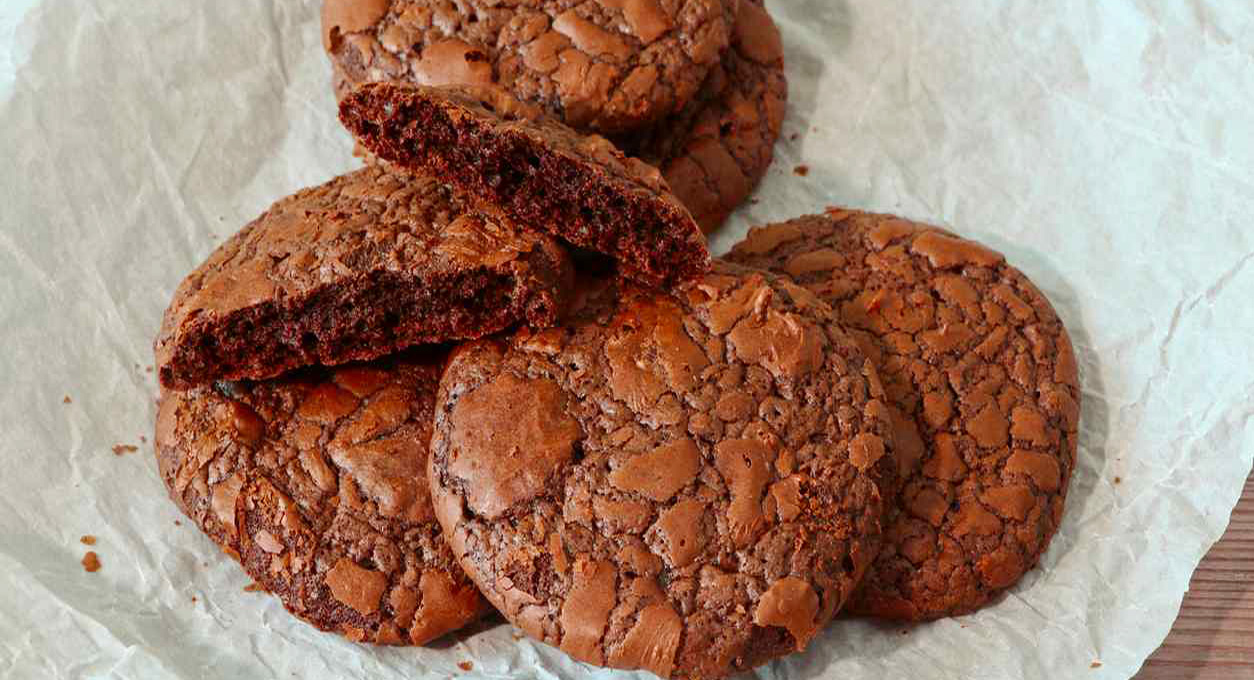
1213,638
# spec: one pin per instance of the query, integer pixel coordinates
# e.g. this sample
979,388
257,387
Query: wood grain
1213,638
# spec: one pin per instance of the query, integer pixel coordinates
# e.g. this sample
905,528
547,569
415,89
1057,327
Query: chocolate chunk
537,172
687,544
983,384
366,264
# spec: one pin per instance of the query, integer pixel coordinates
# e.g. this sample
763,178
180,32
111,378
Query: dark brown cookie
364,265
688,484
607,65
985,394
316,483
534,170
714,152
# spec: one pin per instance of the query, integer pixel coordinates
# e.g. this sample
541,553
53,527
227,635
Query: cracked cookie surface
316,483
715,151
687,483
366,264
604,65
983,383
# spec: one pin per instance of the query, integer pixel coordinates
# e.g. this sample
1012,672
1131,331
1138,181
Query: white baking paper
1106,147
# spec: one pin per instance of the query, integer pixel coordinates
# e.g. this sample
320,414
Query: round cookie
687,484
316,483
605,65
985,394
715,151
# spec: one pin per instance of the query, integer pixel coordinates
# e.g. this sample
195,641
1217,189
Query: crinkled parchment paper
1107,148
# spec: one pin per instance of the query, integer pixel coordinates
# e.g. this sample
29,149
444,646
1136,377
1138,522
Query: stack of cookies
496,369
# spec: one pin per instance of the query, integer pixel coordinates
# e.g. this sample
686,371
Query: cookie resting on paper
688,483
316,483
984,389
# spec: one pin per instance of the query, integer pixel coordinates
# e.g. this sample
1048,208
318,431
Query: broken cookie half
367,264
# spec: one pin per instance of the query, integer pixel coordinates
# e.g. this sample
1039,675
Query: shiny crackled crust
985,390
715,151
534,170
686,484
316,483
366,264
607,65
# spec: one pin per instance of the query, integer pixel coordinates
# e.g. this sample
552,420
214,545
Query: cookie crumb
1118,480
794,136
178,523
253,587
193,599
87,539
466,666
91,562
143,439
123,449
67,400
1095,664
801,170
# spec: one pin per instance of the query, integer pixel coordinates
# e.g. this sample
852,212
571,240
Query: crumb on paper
123,449
67,400
194,599
143,439
253,587
91,562
1095,664
801,170
466,666
87,539
178,523
148,369
754,201
1118,480
794,136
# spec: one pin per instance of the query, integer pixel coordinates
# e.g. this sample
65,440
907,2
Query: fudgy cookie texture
607,65
984,389
534,170
316,483
715,151
688,483
364,265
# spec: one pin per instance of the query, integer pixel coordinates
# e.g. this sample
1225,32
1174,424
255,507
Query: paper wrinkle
1108,152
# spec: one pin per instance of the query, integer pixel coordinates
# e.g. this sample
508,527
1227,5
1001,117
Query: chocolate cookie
359,267
714,152
607,65
688,484
534,170
985,394
316,483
